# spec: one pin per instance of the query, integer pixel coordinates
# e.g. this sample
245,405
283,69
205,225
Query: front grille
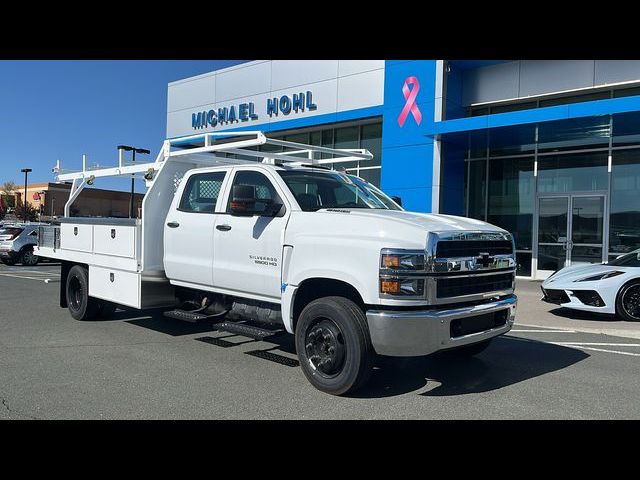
472,248
555,296
480,323
473,285
589,297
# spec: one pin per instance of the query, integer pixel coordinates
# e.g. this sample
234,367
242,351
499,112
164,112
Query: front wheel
8,261
334,346
628,302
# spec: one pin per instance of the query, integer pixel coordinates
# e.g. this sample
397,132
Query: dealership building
548,150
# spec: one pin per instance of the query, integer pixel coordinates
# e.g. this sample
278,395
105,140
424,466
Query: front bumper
8,254
417,333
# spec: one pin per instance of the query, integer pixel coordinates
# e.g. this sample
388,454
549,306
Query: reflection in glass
585,254
587,219
572,172
523,261
552,220
476,189
511,197
513,140
624,226
574,133
551,257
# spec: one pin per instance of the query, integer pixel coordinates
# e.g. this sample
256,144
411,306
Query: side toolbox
114,285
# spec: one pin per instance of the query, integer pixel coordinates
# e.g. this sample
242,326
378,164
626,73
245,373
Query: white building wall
336,86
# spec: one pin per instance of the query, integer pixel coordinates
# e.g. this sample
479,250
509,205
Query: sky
55,109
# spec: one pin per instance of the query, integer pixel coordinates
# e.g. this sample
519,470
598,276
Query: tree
6,190
32,213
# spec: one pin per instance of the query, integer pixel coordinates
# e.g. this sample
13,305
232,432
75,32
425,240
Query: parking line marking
544,331
19,276
579,347
556,329
597,344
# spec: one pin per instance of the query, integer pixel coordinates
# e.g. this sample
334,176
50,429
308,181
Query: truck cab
286,244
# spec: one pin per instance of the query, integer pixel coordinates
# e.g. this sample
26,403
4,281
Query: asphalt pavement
554,364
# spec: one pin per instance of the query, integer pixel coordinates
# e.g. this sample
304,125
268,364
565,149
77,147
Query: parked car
612,287
16,244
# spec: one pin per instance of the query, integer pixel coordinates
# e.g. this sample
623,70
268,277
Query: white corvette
612,287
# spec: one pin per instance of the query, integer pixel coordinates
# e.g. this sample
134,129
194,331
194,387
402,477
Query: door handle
223,228
173,224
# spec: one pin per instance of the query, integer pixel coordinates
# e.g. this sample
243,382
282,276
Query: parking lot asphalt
140,365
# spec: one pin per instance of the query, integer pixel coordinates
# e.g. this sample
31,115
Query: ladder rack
203,148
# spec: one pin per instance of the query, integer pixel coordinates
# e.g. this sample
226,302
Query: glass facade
362,134
589,166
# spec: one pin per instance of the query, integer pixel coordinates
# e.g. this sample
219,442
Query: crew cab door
248,249
189,229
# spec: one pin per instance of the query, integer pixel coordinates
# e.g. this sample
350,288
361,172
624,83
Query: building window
624,229
477,189
364,135
583,172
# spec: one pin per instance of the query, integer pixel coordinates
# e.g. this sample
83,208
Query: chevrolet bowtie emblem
484,259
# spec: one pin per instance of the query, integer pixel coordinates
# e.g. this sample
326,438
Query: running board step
245,330
186,316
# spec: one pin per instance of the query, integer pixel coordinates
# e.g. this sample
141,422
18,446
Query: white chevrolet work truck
258,236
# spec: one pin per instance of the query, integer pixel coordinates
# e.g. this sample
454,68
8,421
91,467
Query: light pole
24,202
128,148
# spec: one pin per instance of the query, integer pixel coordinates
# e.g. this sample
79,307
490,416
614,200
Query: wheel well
314,288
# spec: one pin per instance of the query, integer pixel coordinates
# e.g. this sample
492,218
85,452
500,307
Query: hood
427,221
578,271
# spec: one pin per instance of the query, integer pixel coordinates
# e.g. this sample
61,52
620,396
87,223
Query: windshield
329,189
631,259
9,233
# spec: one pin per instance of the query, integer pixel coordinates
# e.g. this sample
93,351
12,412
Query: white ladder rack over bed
182,149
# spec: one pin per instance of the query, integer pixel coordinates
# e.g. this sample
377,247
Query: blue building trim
314,120
545,114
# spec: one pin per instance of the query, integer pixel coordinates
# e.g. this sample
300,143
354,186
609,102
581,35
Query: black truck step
186,315
246,330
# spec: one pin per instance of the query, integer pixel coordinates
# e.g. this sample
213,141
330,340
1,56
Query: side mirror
245,203
397,199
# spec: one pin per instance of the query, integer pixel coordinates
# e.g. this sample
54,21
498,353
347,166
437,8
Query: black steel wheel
628,302
81,306
28,258
324,347
334,346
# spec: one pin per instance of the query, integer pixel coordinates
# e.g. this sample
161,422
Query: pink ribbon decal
410,105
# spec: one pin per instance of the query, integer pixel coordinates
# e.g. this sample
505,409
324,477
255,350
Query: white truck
258,236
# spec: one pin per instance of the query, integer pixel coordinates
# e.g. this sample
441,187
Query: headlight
600,276
402,260
399,271
411,287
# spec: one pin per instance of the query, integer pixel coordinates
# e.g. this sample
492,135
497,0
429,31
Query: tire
81,306
106,309
8,261
628,302
28,258
350,364
469,350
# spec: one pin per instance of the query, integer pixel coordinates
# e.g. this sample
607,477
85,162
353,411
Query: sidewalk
534,312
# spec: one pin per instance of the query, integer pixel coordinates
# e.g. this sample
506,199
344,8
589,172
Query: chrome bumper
417,333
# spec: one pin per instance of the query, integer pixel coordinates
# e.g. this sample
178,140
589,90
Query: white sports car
612,287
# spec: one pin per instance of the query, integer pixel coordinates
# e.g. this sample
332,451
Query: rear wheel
81,305
28,258
628,302
8,261
334,346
